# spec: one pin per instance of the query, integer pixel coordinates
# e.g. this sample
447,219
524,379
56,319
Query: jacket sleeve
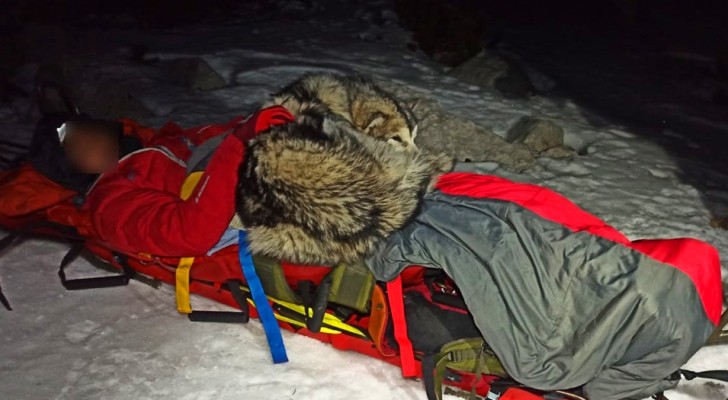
138,208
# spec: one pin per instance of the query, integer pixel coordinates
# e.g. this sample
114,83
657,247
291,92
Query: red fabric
696,259
699,260
27,197
396,307
25,191
137,207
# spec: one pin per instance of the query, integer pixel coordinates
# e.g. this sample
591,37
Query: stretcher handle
224,317
234,317
95,283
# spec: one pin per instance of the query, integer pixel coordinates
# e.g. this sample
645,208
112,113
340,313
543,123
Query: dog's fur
355,99
322,194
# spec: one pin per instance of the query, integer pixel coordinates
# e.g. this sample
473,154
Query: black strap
498,387
318,305
96,282
5,243
4,300
241,317
428,376
718,375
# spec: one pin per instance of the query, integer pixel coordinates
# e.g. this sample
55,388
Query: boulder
719,222
194,73
448,32
110,99
467,142
492,70
559,153
104,92
539,135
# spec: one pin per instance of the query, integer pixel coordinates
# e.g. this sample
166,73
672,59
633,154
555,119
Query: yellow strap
299,323
182,286
337,325
182,281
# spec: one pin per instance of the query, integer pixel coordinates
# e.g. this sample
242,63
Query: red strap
262,121
396,306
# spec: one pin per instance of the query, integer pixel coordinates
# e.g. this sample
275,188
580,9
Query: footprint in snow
80,331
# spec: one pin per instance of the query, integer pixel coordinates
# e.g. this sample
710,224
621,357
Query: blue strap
265,312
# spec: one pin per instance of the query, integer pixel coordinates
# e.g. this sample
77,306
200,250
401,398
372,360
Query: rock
462,139
105,93
719,222
448,32
389,16
537,134
111,100
467,142
481,70
194,73
490,69
559,153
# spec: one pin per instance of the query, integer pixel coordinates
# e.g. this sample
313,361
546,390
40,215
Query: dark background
633,62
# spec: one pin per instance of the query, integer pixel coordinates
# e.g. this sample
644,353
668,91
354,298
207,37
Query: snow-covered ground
129,343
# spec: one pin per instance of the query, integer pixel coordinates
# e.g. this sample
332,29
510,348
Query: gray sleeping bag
562,305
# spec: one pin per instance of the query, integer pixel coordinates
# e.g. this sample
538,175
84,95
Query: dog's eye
396,139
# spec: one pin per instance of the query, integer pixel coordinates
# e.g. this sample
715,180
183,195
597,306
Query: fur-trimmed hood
324,194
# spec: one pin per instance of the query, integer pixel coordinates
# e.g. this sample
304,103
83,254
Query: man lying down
563,299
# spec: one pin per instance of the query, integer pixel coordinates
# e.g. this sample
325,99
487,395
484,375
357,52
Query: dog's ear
377,119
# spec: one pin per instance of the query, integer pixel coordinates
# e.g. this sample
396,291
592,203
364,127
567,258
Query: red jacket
137,208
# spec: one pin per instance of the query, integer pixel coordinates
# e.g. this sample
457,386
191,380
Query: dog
325,193
354,99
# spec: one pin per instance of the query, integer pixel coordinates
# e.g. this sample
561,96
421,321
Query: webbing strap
96,282
5,242
4,300
396,306
429,362
265,312
463,355
182,285
718,375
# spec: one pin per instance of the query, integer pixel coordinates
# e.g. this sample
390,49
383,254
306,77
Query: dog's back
355,99
324,194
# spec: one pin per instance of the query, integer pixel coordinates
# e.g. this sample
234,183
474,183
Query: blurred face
91,148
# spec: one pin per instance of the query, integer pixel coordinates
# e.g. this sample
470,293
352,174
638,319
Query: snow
130,343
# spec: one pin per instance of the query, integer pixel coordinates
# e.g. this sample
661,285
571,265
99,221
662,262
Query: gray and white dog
353,98
325,193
